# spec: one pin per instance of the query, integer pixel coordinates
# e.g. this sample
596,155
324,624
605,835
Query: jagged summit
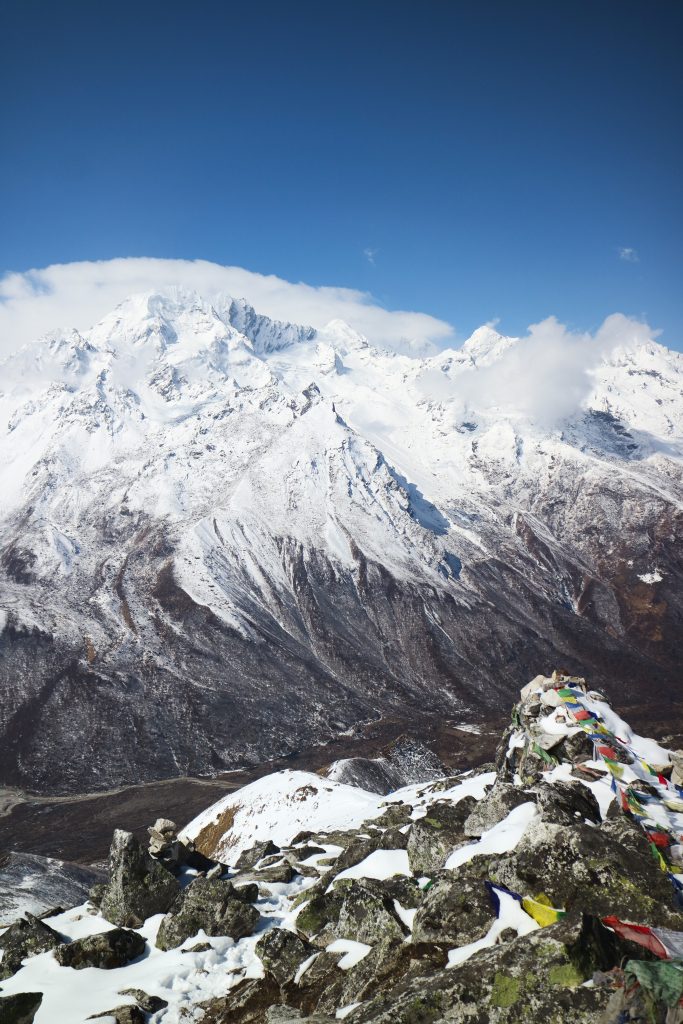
251,536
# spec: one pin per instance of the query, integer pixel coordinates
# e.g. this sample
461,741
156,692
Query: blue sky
470,160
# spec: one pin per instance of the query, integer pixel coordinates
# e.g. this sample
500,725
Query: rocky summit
226,539
544,887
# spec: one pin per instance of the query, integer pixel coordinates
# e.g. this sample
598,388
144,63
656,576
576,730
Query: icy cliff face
243,536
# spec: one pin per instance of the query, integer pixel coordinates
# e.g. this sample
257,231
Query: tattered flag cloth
664,981
539,908
664,943
542,910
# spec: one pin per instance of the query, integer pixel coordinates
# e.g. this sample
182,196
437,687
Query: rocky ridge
544,887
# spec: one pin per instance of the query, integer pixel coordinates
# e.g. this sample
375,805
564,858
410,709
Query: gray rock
139,886
249,858
367,917
150,1004
282,952
567,803
605,870
454,911
24,939
20,1008
432,838
495,806
123,1015
106,950
246,1003
319,912
535,979
211,904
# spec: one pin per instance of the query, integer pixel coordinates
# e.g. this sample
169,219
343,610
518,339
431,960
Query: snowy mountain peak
191,485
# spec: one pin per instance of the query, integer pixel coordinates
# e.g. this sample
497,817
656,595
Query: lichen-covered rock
605,870
211,904
366,917
320,911
495,806
106,950
432,838
282,952
455,911
24,939
139,886
20,1008
537,978
402,888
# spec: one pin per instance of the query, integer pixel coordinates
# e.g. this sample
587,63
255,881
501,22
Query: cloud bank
80,294
547,375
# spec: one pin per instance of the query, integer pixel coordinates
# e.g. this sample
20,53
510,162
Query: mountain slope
225,538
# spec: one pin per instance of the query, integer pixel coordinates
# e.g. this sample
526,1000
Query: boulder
20,1008
567,803
139,886
455,911
432,838
402,888
106,950
249,858
495,806
282,953
24,939
367,917
211,904
319,912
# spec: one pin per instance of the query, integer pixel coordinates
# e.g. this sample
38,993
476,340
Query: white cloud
628,255
546,375
370,255
80,294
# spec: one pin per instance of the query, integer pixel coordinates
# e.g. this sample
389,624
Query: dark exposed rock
106,950
567,803
246,1003
210,904
249,858
394,814
402,888
454,911
29,882
24,939
323,909
282,953
139,886
20,1008
150,1004
123,1015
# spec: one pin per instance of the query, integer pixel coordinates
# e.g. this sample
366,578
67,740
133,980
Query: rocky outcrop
138,887
20,1008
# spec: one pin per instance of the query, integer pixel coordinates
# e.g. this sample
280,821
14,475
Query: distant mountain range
223,538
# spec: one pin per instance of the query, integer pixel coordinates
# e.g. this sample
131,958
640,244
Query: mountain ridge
248,543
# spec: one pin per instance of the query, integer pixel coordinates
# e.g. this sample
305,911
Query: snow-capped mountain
223,538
